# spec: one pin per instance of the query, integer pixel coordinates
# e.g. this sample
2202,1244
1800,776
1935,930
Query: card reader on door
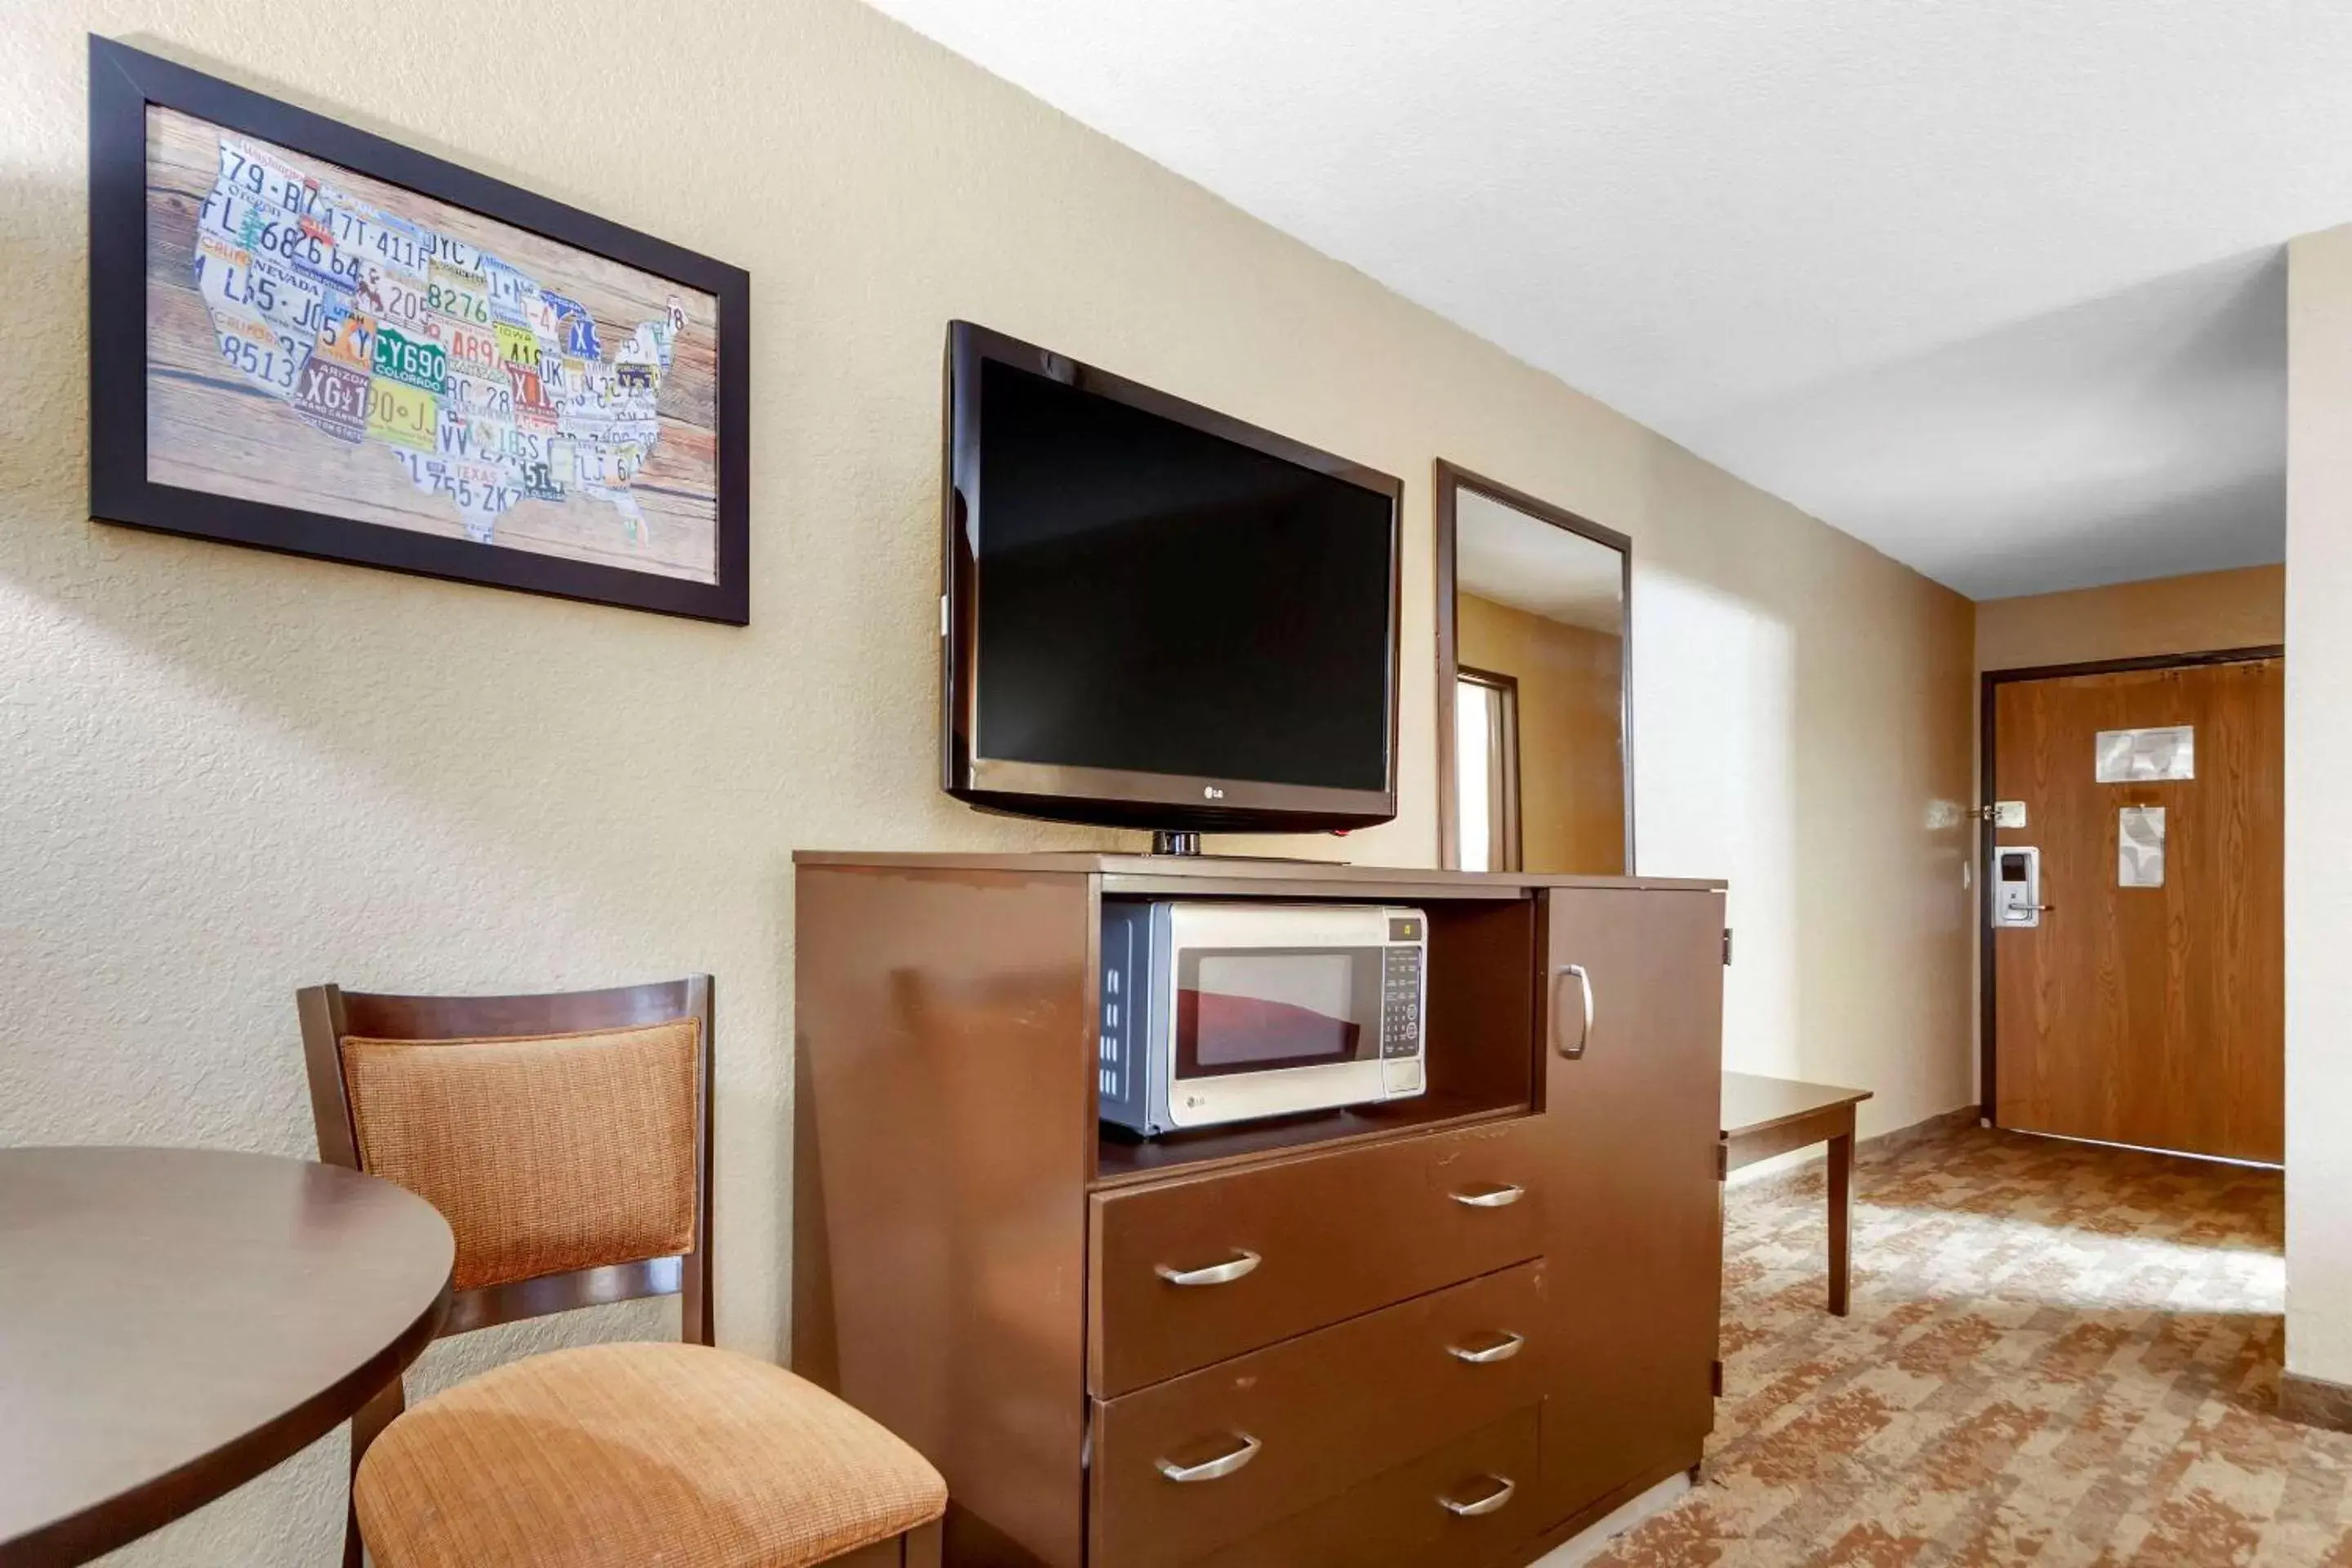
2017,885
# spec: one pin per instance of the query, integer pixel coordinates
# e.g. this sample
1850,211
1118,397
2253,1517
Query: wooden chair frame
919,1548
330,1014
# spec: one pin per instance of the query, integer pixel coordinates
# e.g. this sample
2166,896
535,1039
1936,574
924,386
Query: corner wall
2318,766
224,773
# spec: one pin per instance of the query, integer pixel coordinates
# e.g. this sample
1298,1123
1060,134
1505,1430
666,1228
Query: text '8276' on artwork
378,366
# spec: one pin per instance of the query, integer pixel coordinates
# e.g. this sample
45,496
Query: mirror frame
1451,479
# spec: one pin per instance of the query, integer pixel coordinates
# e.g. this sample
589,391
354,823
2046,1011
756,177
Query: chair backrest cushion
546,1154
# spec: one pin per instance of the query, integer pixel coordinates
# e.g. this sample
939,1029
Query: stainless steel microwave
1229,1012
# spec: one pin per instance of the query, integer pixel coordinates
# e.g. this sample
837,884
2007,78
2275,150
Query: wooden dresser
1478,1320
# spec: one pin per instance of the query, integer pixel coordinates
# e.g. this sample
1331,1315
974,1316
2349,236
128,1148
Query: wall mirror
1534,694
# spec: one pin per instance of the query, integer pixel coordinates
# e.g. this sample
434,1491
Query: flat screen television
1154,615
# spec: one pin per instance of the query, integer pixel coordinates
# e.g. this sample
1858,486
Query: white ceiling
1502,553
1995,285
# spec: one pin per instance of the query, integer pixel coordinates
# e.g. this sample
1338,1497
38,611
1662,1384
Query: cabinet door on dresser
1633,1014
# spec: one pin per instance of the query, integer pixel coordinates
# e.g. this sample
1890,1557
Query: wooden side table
1767,1116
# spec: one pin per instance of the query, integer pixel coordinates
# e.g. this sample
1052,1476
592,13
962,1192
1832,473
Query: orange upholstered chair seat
621,1456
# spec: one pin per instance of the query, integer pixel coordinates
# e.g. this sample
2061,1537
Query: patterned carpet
2059,1354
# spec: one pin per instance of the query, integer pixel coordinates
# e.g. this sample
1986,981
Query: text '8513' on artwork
307,338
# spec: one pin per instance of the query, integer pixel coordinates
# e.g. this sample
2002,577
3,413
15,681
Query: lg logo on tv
1212,792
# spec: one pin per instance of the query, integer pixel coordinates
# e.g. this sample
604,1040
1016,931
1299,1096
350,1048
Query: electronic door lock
2017,887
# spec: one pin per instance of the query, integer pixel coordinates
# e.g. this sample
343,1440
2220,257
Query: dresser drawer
1209,1459
1469,1502
1275,1250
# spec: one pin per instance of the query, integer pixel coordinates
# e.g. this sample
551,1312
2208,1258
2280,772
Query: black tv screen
1159,616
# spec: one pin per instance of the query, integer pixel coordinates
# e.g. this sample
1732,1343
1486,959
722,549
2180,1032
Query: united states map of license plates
510,388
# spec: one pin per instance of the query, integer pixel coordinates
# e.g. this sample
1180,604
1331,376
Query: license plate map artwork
398,361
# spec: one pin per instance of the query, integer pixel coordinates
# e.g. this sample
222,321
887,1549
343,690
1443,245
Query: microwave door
1259,1009
1264,1031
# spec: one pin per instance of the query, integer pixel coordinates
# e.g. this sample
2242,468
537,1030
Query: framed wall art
307,338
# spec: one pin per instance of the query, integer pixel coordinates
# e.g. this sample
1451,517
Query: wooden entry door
2151,1015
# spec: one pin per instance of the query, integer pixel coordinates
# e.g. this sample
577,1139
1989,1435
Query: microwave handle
1584,1025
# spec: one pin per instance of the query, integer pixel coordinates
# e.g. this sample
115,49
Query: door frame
1989,682
1504,851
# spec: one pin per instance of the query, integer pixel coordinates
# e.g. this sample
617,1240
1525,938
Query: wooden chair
567,1141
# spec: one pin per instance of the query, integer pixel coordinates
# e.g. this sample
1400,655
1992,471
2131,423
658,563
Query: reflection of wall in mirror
1571,758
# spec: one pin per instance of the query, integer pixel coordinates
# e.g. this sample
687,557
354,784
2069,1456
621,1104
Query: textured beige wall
224,773
2208,610
1570,711
2318,762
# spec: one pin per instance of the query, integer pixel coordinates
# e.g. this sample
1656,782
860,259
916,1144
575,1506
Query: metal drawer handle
1485,1505
1226,1273
1503,1349
1499,1196
1212,1469
1584,1029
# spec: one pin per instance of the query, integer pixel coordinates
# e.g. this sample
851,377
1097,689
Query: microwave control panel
1400,1002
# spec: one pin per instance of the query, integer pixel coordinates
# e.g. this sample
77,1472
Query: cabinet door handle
1224,1273
1503,1349
1584,1028
1224,1464
1483,1506
1501,1195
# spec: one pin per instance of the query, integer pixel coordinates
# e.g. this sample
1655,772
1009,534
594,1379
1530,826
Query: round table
175,1321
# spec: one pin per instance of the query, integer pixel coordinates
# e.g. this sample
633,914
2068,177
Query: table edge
1843,1099
116,1521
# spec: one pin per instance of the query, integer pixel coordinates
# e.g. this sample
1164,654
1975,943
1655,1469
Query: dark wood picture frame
123,83
1451,479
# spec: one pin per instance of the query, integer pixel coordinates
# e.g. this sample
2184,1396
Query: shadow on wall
2157,414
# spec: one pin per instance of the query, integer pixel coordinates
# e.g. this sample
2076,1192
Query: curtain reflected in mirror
1533,631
